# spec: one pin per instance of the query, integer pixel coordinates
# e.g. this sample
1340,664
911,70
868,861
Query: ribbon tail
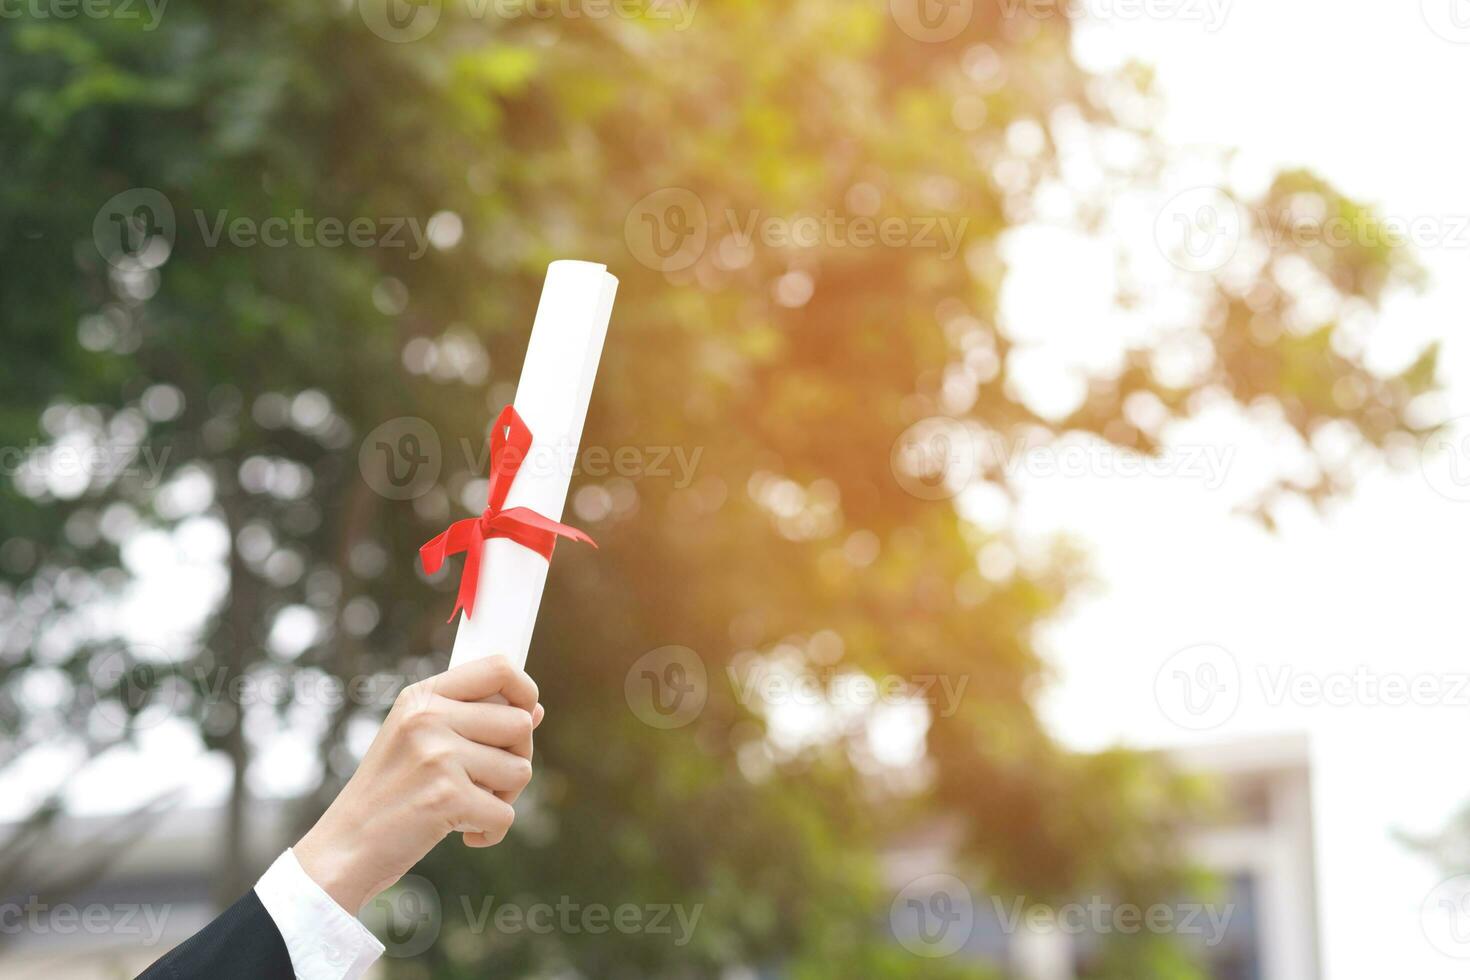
460,536
529,518
434,551
469,578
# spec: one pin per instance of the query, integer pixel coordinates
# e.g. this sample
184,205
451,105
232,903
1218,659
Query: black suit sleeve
242,944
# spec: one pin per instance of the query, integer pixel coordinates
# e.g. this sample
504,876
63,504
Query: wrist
330,860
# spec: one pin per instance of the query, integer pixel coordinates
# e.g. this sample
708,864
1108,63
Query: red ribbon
509,442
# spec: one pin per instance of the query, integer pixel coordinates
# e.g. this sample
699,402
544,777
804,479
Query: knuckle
439,759
497,669
520,726
514,775
441,795
417,722
414,694
421,714
414,708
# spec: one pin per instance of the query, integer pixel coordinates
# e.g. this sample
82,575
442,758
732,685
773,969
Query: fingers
481,679
493,708
503,773
496,725
487,819
525,747
488,724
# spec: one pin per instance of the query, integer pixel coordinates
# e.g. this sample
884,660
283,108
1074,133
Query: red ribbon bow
509,442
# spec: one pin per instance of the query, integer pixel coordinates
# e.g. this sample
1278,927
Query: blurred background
1028,461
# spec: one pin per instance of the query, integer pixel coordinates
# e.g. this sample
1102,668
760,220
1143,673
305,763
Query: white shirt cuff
325,942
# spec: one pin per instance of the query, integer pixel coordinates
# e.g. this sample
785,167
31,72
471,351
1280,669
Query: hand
444,760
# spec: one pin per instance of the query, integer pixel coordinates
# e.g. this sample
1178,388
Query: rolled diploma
555,387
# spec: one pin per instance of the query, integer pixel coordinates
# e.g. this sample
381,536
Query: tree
723,166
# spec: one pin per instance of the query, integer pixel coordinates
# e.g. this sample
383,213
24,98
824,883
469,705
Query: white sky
1359,92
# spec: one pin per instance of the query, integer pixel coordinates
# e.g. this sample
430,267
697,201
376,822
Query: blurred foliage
540,135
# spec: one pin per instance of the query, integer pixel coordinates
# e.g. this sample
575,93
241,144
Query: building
1264,926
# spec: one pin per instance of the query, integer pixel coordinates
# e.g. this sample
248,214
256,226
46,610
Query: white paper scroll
556,385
